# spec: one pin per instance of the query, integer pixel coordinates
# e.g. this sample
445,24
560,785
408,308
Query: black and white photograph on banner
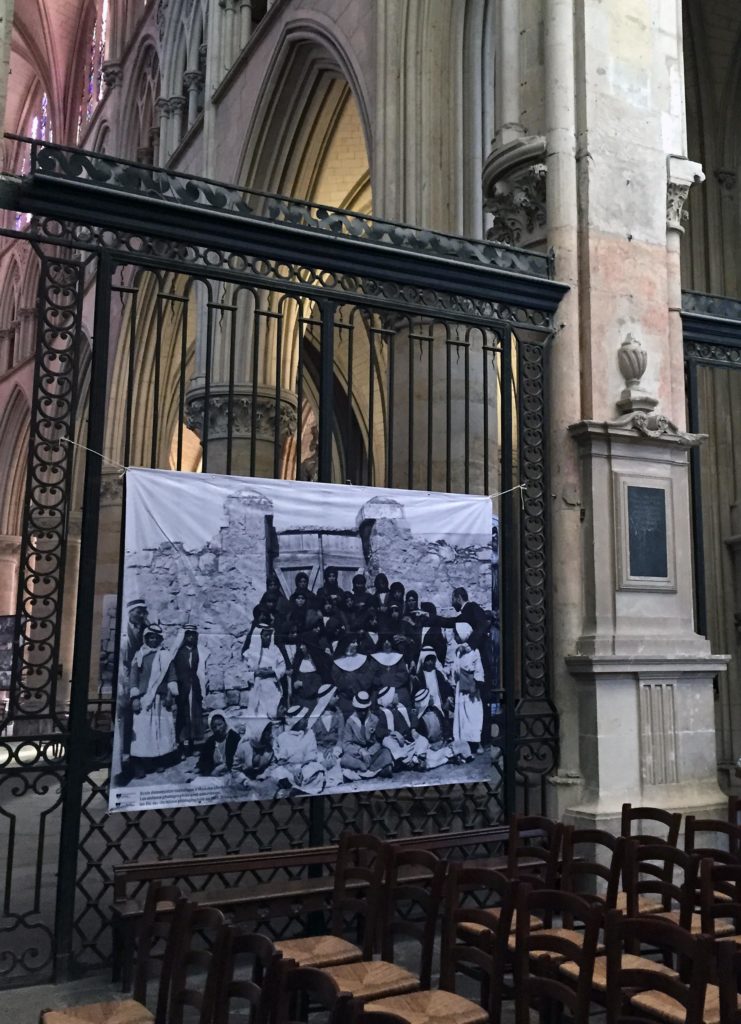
286,638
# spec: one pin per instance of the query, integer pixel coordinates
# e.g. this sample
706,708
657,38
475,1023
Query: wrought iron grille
228,359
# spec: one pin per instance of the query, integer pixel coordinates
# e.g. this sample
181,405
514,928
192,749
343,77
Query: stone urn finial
633,360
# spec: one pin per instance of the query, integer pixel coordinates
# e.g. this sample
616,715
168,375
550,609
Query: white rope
111,462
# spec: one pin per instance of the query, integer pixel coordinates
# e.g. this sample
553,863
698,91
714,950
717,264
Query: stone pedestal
234,415
643,676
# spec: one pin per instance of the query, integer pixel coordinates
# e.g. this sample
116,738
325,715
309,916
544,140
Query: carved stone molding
681,175
514,182
112,71
111,487
237,411
727,182
636,426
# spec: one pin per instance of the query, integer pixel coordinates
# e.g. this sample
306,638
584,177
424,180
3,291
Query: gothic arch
144,89
14,429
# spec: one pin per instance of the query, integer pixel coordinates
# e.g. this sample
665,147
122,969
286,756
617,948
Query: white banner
289,638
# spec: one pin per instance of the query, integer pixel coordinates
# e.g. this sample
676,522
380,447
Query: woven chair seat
373,979
124,1011
662,1006
471,930
629,960
564,933
646,904
319,951
431,1007
723,926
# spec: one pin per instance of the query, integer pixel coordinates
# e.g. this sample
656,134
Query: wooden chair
540,951
669,823
720,899
414,886
728,958
485,956
694,828
673,996
165,910
203,943
662,880
260,989
545,848
360,858
734,809
584,872
303,984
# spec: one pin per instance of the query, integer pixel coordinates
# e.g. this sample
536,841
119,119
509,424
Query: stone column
10,554
507,72
6,349
178,107
632,679
193,83
25,335
240,410
163,113
245,22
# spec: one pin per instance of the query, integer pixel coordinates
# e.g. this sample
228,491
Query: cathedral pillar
632,679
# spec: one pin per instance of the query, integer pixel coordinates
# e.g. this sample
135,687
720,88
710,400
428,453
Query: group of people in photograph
342,685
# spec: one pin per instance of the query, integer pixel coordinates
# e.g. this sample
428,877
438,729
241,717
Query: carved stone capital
112,71
178,104
111,487
682,174
271,419
162,106
193,80
514,182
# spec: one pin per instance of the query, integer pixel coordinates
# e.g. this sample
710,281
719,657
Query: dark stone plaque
647,546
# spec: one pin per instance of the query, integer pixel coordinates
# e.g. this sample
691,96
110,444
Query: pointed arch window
40,128
92,91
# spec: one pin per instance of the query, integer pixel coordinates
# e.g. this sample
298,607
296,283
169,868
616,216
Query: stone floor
23,1005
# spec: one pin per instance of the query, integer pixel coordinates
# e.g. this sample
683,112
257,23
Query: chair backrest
593,862
202,948
734,809
646,986
639,817
728,958
163,905
547,907
664,872
309,982
720,894
413,895
470,894
361,858
697,829
544,848
251,974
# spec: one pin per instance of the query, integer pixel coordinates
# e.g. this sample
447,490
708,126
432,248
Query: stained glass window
40,129
93,86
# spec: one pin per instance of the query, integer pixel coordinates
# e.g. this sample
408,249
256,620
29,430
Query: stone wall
216,587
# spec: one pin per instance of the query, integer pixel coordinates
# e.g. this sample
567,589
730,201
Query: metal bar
154,458
485,383
466,418
371,403
278,371
255,371
181,383
326,390
430,405
391,344
78,750
508,580
410,409
448,415
300,327
232,310
207,383
130,390
698,542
